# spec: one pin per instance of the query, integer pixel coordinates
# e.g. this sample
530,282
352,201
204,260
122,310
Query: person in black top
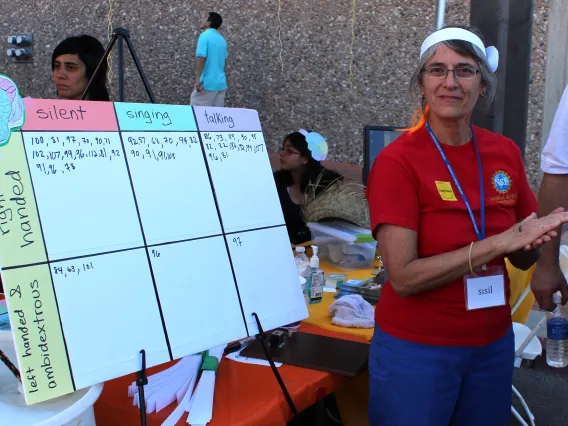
300,170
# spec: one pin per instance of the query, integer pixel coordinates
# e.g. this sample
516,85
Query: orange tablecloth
245,395
248,395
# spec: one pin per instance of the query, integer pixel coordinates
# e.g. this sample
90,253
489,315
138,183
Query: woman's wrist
496,246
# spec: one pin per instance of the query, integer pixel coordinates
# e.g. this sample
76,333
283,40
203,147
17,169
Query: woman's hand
532,232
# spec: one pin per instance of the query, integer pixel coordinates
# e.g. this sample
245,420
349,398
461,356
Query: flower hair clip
316,144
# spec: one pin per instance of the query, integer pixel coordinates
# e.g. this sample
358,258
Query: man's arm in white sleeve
548,277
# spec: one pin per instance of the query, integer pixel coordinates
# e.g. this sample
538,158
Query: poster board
137,226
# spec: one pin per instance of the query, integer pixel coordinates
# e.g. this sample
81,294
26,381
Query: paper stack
177,383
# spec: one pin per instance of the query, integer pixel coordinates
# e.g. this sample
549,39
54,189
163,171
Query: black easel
141,380
121,35
261,337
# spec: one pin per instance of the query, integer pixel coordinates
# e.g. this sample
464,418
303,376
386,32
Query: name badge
486,289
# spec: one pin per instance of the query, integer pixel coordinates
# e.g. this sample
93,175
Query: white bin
69,410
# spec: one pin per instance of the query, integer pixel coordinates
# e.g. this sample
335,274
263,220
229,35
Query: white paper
270,283
109,313
236,356
112,220
133,388
485,292
162,384
202,404
201,411
198,295
170,394
255,204
183,404
163,389
175,184
167,392
78,202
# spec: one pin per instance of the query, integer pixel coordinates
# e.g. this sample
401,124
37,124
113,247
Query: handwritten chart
134,226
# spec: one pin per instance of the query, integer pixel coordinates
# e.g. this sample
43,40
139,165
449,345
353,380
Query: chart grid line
220,221
144,238
49,267
244,231
103,253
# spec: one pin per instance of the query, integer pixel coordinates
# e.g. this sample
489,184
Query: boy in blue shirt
210,80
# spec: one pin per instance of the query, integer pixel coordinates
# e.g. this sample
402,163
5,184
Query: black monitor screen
376,138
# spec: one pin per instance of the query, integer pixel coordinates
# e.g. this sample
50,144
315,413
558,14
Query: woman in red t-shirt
449,201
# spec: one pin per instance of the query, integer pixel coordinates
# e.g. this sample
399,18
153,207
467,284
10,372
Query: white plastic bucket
69,410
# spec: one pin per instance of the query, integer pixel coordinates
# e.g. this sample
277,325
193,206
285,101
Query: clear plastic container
344,245
557,335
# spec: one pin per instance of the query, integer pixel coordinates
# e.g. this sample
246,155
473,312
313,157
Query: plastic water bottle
557,335
303,265
301,255
302,262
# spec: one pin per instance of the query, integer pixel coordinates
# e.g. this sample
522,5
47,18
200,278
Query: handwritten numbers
73,270
155,253
154,146
237,241
67,147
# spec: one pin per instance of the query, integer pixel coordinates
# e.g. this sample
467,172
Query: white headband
491,53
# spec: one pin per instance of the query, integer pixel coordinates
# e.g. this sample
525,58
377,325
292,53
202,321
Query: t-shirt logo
445,190
501,181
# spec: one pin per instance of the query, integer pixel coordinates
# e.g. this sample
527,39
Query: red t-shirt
402,191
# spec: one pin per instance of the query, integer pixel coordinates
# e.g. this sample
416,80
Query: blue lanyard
480,234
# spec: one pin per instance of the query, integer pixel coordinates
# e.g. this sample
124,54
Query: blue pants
413,384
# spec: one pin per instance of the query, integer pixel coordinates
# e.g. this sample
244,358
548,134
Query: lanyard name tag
486,289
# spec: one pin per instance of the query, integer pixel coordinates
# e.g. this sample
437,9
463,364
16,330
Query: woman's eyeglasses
461,73
287,152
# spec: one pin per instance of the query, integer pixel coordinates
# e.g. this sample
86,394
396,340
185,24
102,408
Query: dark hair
90,51
215,20
313,173
463,48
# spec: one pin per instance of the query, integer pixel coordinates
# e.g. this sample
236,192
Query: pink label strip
54,114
